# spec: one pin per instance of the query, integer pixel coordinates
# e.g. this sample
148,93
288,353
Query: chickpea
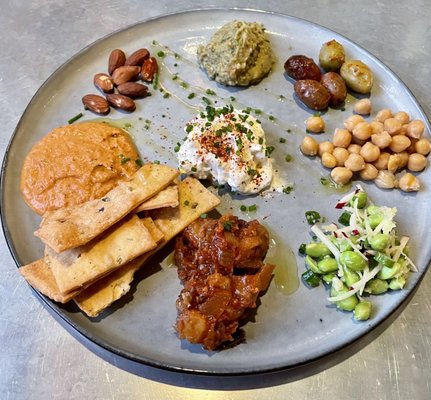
409,183
315,124
392,126
352,121
354,162
362,131
325,147
383,114
381,140
370,152
328,160
423,146
309,146
363,107
357,141
341,154
385,180
354,148
415,129
412,148
394,163
404,158
369,173
382,162
417,162
403,117
376,127
341,138
341,175
403,130
399,143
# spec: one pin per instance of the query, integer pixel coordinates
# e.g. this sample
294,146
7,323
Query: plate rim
54,308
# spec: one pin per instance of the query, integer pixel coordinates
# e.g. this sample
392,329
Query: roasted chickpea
363,107
399,143
341,138
369,173
402,116
423,146
392,126
362,131
417,162
384,114
315,124
382,162
404,158
415,129
354,148
341,175
354,162
309,146
370,152
352,121
382,139
328,160
376,127
341,155
403,129
325,147
409,183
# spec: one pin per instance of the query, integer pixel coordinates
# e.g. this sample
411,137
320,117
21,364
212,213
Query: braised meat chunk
220,264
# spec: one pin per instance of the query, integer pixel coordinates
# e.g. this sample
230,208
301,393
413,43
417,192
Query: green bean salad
361,255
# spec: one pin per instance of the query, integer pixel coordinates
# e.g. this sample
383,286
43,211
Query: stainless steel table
39,359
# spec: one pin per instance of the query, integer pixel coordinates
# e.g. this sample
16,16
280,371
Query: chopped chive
210,92
282,140
227,226
301,249
252,207
243,208
206,100
156,162
189,128
288,189
186,202
310,278
232,98
75,118
288,158
204,215
161,53
138,162
166,95
312,217
191,95
193,169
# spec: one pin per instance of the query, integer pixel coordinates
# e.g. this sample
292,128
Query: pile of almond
120,85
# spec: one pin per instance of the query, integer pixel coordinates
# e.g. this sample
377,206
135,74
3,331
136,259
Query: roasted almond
96,103
104,83
133,89
137,57
121,102
125,74
117,58
149,69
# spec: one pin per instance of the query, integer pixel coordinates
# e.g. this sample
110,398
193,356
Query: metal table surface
40,359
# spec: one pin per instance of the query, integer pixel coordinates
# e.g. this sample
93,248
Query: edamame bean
376,286
327,278
350,277
352,260
379,241
317,250
375,216
348,304
361,197
397,283
388,273
328,264
362,311
344,245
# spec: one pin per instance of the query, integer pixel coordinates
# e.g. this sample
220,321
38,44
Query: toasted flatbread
166,198
155,232
77,268
194,200
70,227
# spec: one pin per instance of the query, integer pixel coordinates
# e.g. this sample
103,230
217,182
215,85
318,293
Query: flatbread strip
166,198
70,227
79,267
39,274
195,200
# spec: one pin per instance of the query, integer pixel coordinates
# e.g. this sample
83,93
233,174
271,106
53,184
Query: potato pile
374,150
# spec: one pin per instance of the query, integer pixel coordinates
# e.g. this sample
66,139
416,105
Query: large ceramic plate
287,330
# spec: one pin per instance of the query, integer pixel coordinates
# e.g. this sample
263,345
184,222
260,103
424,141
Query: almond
149,69
96,103
133,89
122,102
125,74
137,57
104,83
117,58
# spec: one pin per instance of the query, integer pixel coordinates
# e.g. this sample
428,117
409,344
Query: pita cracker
70,227
77,268
195,200
166,198
155,232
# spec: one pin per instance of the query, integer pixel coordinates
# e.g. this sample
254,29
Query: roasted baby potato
357,75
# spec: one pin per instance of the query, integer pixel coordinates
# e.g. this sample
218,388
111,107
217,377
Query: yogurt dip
229,147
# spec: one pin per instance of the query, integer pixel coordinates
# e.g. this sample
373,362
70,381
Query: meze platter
293,323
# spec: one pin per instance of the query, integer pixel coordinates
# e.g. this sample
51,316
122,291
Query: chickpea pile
374,150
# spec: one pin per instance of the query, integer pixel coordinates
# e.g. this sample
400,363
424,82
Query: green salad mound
361,255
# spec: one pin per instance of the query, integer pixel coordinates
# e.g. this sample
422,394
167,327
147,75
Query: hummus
238,54
227,146
76,163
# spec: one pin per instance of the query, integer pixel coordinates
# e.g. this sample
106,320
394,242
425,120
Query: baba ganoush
238,54
229,147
